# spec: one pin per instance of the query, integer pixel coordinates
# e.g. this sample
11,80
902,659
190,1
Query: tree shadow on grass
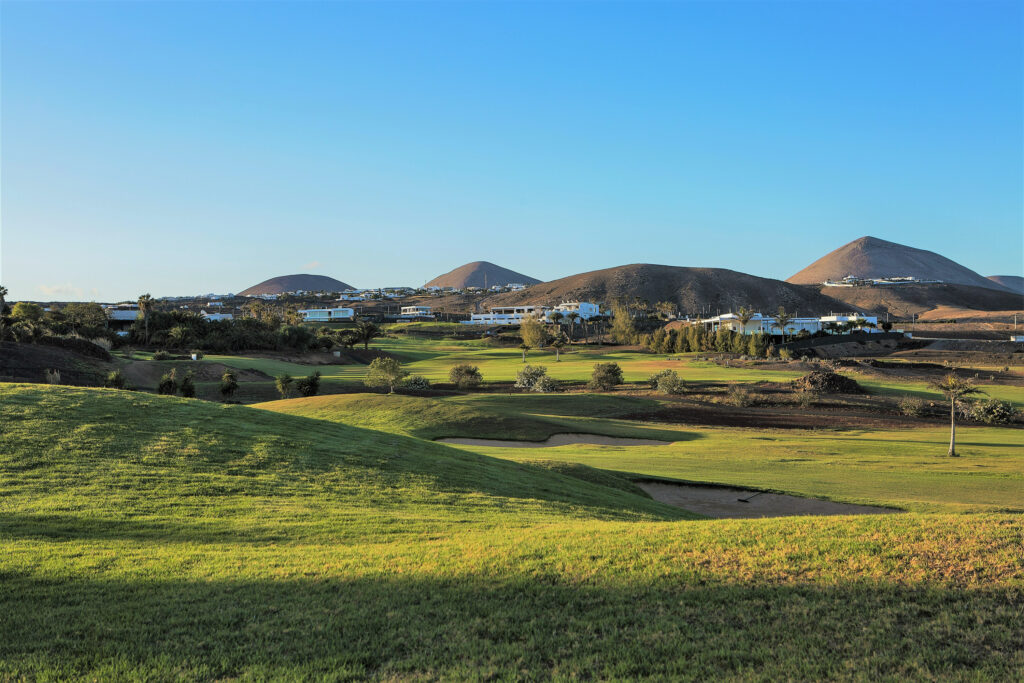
518,625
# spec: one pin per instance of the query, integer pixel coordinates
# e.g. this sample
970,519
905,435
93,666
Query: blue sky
176,148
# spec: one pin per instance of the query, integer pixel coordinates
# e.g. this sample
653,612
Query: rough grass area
154,538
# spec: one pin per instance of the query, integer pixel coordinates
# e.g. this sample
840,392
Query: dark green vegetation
149,537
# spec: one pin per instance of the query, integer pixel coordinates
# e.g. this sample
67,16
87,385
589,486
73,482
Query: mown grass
906,469
152,538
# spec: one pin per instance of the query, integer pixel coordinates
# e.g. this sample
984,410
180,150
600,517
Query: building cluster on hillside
853,281
471,289
514,315
767,324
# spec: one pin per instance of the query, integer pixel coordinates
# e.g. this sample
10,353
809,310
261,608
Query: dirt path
722,502
557,440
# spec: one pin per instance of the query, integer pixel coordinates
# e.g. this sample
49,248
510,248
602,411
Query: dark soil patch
28,363
145,374
827,382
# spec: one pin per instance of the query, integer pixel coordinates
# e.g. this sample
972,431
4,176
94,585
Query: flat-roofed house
416,312
326,315
506,315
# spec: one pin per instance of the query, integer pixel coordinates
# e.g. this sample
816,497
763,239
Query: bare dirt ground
557,440
825,415
28,363
724,503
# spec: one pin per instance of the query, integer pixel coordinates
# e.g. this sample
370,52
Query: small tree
228,384
670,383
465,376
168,383
533,333
188,387
782,320
384,372
954,388
145,308
284,383
29,312
524,347
605,376
558,344
623,331
365,332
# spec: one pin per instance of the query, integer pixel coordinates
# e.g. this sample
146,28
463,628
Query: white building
213,317
506,315
416,312
767,324
584,309
326,315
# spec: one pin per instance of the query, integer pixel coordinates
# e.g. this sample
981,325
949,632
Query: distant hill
872,257
295,283
481,274
692,289
1014,283
904,301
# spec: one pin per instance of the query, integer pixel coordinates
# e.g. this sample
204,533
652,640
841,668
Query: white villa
585,309
766,323
416,312
213,317
326,315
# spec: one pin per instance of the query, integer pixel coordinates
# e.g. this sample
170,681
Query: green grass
153,538
906,469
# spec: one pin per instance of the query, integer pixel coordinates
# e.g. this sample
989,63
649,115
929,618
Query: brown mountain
1015,283
480,274
904,301
692,289
872,257
295,283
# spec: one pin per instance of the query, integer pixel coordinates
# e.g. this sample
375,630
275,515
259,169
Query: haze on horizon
187,148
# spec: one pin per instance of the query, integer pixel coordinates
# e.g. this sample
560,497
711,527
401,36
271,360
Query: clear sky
180,148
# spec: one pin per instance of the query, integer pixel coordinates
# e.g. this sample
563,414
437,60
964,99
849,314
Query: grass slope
149,538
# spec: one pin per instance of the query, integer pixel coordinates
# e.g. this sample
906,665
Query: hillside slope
691,289
480,274
904,301
1015,283
295,283
871,257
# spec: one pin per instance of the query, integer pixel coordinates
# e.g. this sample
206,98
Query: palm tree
744,315
145,306
366,331
556,318
557,345
954,388
782,319
572,316
525,347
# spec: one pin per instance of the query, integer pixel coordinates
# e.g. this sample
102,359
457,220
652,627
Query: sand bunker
722,502
558,440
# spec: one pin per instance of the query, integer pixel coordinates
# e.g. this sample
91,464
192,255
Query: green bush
545,385
785,354
115,380
605,376
654,379
465,376
168,383
529,376
416,383
739,396
188,387
161,355
670,383
284,385
308,386
992,411
228,384
911,406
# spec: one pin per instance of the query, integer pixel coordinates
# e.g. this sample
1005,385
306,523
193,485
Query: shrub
228,384
806,398
103,343
654,379
465,376
545,384
168,383
992,411
284,384
52,376
605,376
308,386
529,376
785,354
911,406
739,396
115,380
161,355
416,383
670,383
188,387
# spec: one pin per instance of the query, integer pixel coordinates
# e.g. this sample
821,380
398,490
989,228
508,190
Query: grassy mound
146,537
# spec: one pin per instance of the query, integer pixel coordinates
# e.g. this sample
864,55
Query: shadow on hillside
535,625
